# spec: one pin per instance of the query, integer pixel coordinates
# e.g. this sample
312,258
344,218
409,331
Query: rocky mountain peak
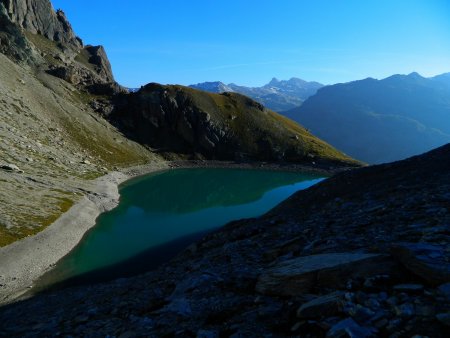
213,87
39,17
274,82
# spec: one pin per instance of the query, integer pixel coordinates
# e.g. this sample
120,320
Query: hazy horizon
249,43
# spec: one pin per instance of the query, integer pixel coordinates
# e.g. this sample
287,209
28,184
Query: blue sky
250,41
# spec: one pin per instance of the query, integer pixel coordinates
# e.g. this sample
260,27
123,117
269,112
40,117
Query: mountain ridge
380,120
277,95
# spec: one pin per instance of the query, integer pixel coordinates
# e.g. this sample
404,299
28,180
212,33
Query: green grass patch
37,223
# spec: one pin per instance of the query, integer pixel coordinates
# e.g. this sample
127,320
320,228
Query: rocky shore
23,262
365,253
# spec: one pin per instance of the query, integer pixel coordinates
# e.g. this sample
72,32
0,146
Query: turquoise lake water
162,213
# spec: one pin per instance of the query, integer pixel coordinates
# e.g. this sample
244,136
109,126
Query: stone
207,334
409,288
361,313
180,306
427,261
324,306
11,167
405,310
444,290
128,334
444,318
349,328
299,275
425,310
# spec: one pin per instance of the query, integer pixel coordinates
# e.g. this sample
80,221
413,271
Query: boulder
444,290
323,306
349,328
444,318
299,275
430,262
11,167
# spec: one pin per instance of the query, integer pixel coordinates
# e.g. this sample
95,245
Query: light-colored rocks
297,276
10,167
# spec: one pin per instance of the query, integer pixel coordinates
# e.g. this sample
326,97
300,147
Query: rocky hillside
59,97
52,142
276,95
225,126
379,121
362,254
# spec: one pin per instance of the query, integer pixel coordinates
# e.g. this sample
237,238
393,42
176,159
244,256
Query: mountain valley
360,251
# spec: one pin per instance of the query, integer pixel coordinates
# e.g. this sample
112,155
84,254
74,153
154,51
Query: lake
162,213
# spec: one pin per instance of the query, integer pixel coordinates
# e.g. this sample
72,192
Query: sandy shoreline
23,262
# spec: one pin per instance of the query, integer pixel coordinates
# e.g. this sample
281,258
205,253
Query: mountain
276,95
380,120
52,139
213,87
63,120
227,126
362,254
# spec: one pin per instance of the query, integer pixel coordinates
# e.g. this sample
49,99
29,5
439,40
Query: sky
248,42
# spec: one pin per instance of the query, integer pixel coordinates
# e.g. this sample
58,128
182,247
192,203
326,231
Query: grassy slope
249,124
48,130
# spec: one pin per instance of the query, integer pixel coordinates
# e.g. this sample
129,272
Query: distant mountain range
380,120
276,95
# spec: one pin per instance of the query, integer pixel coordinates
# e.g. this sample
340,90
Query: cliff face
38,17
32,32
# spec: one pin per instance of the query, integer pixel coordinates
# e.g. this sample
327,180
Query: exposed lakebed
162,213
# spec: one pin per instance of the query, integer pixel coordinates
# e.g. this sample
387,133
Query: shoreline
25,261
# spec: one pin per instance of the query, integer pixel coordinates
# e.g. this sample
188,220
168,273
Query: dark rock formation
224,126
300,275
99,59
12,41
38,17
425,260
25,26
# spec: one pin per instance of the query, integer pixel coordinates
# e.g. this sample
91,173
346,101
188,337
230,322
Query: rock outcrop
32,32
12,40
38,17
